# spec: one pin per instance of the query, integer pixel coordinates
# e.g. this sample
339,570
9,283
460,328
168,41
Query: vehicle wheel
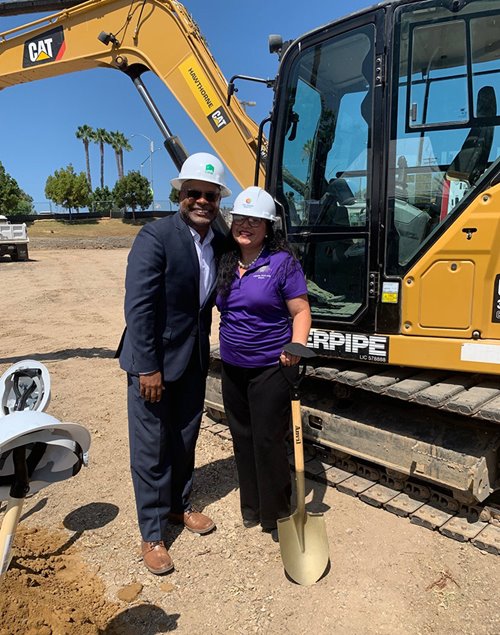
22,253
14,256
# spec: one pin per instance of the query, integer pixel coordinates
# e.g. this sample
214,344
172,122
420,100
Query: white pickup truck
13,239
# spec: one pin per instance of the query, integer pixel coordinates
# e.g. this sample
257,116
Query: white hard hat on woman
255,201
202,166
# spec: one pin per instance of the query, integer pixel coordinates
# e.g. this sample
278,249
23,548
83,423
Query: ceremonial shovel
302,536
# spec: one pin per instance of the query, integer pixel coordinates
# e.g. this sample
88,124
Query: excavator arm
136,36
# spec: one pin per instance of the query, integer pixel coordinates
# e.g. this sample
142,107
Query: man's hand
151,386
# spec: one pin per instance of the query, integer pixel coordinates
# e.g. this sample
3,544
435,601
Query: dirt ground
76,567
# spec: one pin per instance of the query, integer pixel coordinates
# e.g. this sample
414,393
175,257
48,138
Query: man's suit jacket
164,319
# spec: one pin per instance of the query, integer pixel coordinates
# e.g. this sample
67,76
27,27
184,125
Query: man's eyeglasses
209,196
253,221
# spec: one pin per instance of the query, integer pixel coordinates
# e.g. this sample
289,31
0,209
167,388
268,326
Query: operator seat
472,158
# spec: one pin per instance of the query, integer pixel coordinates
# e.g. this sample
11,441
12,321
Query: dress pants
257,405
162,439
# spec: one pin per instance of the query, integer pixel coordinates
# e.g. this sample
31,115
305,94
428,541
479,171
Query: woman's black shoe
248,524
273,531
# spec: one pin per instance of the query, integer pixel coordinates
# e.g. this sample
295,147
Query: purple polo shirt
255,323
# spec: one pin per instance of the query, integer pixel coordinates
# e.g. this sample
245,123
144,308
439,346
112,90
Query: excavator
383,156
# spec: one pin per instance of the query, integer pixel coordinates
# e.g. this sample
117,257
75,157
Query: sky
38,120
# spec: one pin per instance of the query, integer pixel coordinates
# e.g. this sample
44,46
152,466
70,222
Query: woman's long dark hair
274,241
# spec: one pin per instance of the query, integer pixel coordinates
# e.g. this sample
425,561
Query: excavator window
326,169
445,130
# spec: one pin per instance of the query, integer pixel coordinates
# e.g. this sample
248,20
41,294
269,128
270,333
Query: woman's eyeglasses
253,221
210,196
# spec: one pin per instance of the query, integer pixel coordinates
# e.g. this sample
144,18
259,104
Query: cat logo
218,119
47,47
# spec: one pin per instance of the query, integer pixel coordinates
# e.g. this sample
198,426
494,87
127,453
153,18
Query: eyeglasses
253,221
209,196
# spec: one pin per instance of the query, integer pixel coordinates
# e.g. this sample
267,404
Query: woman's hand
289,360
301,323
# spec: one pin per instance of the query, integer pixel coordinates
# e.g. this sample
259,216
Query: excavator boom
134,37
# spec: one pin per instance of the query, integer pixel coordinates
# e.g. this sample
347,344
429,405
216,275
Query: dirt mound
49,590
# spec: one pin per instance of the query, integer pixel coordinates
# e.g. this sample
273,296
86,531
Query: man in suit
169,294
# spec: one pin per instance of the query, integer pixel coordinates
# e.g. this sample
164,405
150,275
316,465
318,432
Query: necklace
248,265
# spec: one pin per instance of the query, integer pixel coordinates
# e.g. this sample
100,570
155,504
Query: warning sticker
200,86
48,47
390,292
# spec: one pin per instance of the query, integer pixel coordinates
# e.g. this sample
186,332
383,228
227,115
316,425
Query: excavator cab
385,123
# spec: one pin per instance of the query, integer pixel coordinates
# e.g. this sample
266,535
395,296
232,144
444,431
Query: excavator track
424,501
475,395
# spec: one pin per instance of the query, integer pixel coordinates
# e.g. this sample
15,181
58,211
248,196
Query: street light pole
151,152
244,104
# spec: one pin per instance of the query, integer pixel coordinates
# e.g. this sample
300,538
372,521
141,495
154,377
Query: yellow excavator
383,158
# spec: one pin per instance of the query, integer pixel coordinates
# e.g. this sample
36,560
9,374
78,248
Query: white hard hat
254,201
24,386
55,451
202,166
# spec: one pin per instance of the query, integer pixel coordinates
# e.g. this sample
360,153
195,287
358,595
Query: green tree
119,143
101,200
174,196
25,205
102,137
86,134
12,198
68,189
133,191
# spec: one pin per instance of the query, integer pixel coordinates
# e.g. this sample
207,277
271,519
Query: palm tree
101,137
119,143
307,150
86,134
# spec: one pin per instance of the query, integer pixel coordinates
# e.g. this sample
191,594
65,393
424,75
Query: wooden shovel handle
8,531
298,452
298,448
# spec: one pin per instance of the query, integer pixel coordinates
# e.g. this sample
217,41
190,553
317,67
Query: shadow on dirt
214,481
67,353
36,508
87,517
91,516
145,619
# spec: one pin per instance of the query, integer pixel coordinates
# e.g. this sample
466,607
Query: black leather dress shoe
273,531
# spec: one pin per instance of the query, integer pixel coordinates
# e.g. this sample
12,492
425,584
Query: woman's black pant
257,405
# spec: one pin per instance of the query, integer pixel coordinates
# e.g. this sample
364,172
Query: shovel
20,486
302,536
17,494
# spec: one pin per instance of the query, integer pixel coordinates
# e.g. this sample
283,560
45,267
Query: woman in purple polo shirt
262,298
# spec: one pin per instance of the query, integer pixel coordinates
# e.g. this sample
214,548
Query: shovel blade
303,546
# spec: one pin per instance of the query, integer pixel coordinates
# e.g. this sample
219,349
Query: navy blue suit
167,330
